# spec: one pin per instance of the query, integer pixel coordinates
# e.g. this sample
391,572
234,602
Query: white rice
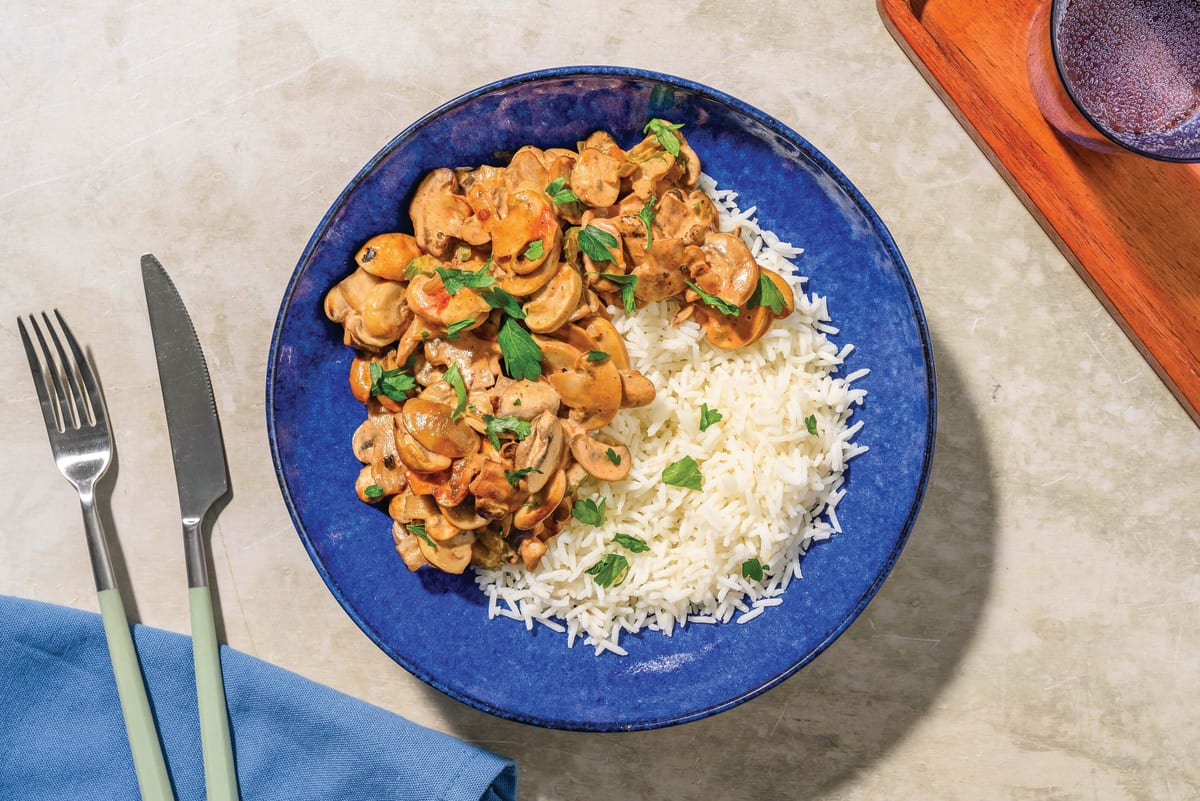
770,487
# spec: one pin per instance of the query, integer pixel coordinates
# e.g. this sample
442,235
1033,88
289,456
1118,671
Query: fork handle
220,773
154,781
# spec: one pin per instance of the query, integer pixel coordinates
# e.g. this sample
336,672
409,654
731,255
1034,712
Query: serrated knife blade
202,477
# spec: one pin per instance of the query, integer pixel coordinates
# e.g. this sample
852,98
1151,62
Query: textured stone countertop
1039,637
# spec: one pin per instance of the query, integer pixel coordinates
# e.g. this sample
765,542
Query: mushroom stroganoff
487,358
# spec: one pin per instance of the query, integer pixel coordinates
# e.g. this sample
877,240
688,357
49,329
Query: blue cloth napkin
62,735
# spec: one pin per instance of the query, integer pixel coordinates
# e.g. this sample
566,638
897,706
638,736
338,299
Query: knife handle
220,773
154,781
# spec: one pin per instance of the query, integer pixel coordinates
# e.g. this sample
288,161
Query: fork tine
95,395
70,368
49,410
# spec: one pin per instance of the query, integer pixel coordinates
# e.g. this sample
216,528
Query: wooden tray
1129,225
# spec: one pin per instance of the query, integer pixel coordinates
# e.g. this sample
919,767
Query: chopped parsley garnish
373,491
514,476
588,511
595,242
631,543
628,284
720,304
505,424
646,215
394,384
766,294
596,355
455,280
419,530
454,378
535,250
810,423
610,570
457,327
709,417
754,569
684,473
522,356
613,456
499,299
559,194
665,132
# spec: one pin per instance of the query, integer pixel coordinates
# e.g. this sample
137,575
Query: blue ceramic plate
436,625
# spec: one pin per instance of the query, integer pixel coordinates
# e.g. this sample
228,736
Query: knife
202,478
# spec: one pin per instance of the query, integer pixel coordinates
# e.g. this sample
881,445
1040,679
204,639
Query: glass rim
1055,5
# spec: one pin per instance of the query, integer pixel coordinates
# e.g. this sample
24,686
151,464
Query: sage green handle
154,781
220,773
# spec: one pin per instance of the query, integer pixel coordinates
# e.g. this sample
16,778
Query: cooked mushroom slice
451,556
427,297
732,332
494,495
438,213
785,289
527,399
486,194
360,378
592,455
688,218
608,340
520,286
589,304
418,331
543,503
408,506
591,389
432,425
387,255
636,389
528,235
375,482
661,275
690,161
451,487
531,550
360,294
440,529
527,166
478,359
647,164
595,178
464,516
415,455
552,305
732,273
540,452
406,546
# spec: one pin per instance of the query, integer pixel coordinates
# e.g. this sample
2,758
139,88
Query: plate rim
844,184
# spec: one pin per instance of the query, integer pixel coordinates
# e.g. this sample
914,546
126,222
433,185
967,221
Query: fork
81,441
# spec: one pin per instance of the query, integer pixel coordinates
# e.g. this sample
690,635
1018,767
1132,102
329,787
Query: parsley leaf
684,473
373,491
588,511
454,378
499,299
646,215
419,530
455,280
664,131
754,569
810,423
628,284
535,250
613,456
766,294
596,355
631,543
522,356
394,384
708,417
610,570
595,242
720,304
559,194
495,426
457,327
514,476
